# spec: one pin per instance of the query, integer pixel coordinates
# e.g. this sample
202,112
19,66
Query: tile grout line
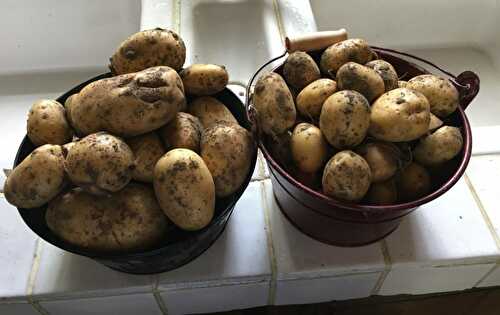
176,15
159,301
387,268
270,247
35,266
489,272
279,21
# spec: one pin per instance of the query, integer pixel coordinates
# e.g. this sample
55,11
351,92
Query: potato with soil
344,119
185,189
386,72
274,104
382,157
402,84
100,163
441,94
209,111
414,182
37,179
355,49
147,149
300,69
382,193
440,146
309,148
149,48
184,131
128,220
204,79
228,150
400,115
129,104
353,76
47,123
346,176
310,100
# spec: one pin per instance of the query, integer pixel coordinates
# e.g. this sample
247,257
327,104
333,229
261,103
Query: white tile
17,247
485,139
265,168
241,252
412,279
62,273
449,229
17,309
123,305
216,299
492,279
157,13
297,17
317,290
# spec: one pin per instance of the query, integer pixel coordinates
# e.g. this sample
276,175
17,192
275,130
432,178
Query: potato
434,122
310,100
47,123
147,149
128,220
441,146
441,94
183,132
185,189
414,182
274,104
402,84
67,108
400,115
227,149
353,76
382,158
335,56
129,104
37,179
100,163
386,72
300,69
280,149
149,48
345,118
309,148
346,176
210,111
204,79
382,193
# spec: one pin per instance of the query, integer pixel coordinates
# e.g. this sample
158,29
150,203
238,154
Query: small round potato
183,132
185,189
310,100
435,122
204,79
441,146
353,76
47,123
414,182
147,149
149,48
300,69
274,104
100,163
335,56
386,72
345,118
382,158
210,111
441,94
37,179
402,84
400,115
227,149
383,193
309,148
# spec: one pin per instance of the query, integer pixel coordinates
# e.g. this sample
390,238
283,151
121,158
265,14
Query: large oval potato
274,104
37,179
382,158
129,104
310,100
441,146
227,149
386,72
346,176
336,55
185,189
204,79
149,48
47,123
300,69
382,193
345,118
184,131
353,76
400,115
130,219
147,149
414,182
210,111
309,148
441,94
100,163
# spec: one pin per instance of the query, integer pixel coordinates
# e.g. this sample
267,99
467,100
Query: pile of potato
126,156
348,127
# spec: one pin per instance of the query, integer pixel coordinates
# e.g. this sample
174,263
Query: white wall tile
492,279
17,309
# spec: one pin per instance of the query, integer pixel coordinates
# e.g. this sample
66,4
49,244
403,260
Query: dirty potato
310,100
386,72
441,146
382,193
414,182
300,69
441,94
204,79
355,49
382,157
402,84
353,76
210,111
184,131
147,149
309,148
47,123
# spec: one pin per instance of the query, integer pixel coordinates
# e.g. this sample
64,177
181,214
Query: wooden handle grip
315,41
